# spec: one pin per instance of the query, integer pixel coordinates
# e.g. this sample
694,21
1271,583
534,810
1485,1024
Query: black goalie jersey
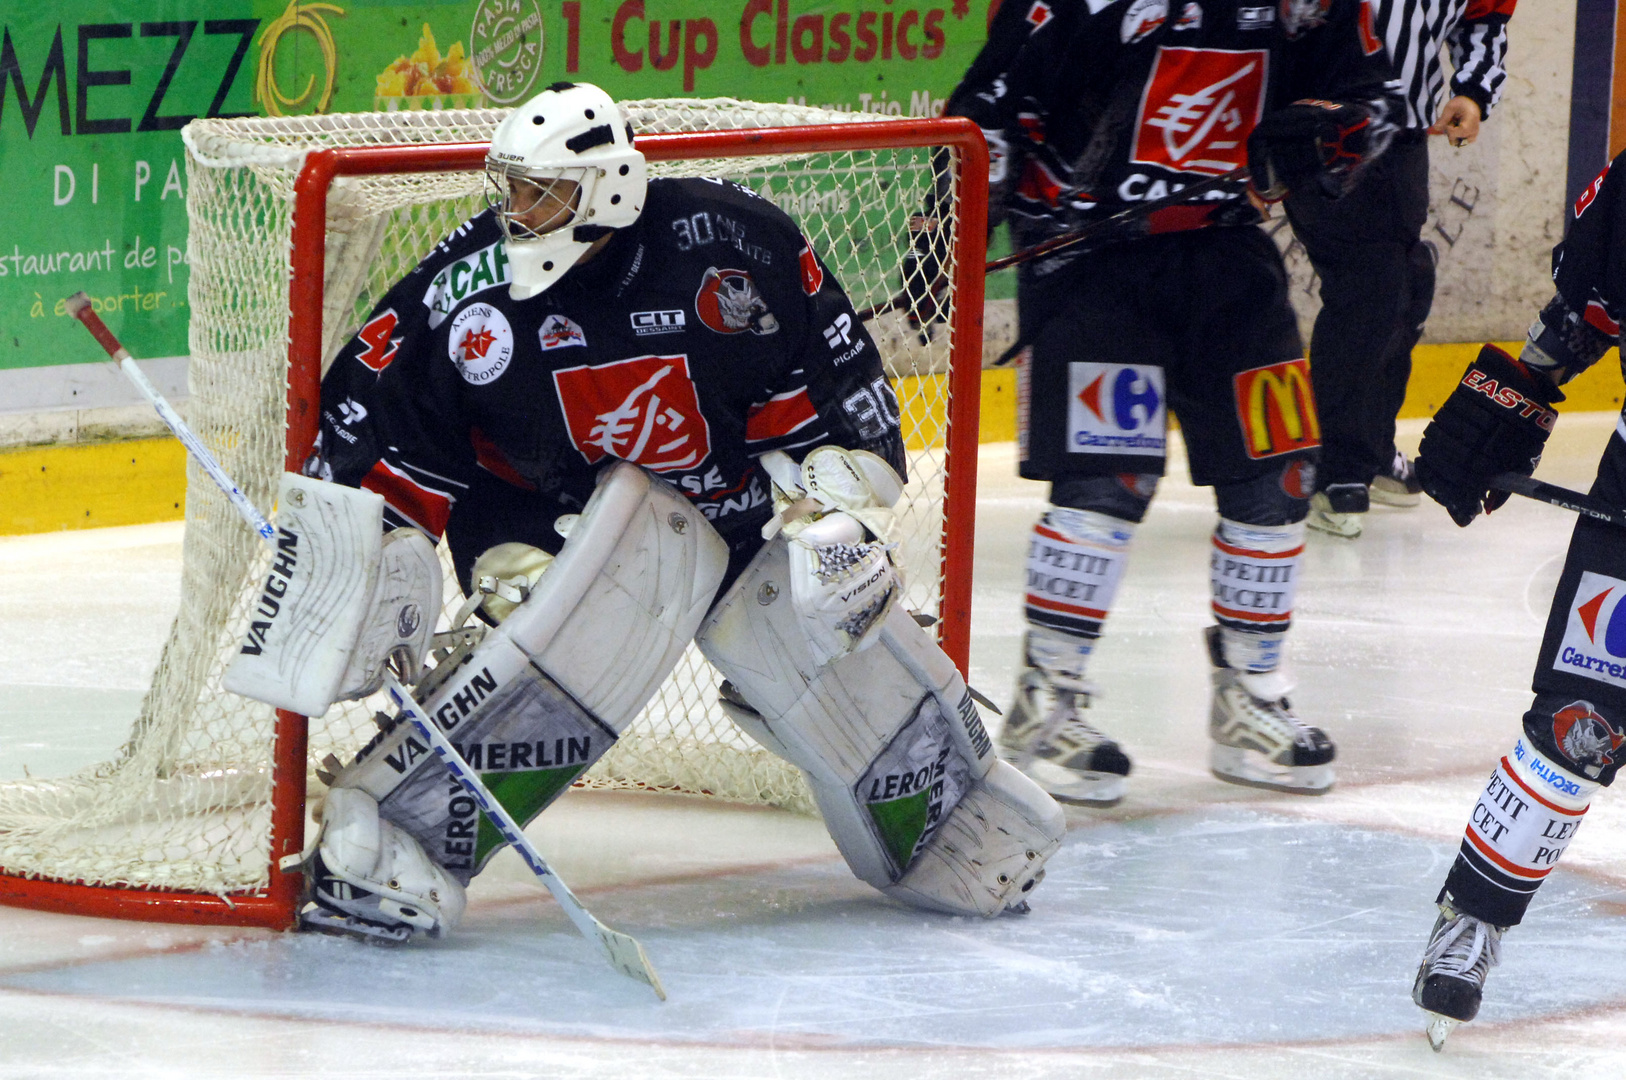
698,339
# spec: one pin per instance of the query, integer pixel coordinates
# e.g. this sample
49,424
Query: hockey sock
1253,576
1075,561
1527,815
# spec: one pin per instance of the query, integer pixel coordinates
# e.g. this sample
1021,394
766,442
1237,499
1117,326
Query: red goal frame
275,906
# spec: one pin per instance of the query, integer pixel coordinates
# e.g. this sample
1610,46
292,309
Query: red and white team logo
1199,107
1585,737
559,332
1584,200
481,343
729,302
643,410
1039,14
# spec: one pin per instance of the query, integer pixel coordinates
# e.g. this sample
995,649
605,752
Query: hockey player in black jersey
1574,738
641,412
1091,108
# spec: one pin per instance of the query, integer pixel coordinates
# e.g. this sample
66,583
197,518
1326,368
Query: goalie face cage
196,816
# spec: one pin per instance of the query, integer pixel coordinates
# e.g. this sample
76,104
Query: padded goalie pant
1377,286
1576,726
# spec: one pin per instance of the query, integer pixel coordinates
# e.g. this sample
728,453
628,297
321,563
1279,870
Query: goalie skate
1257,741
1451,978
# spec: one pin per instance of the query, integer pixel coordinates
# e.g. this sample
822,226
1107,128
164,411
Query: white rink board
1195,930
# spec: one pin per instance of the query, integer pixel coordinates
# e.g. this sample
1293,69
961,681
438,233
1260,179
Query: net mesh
185,803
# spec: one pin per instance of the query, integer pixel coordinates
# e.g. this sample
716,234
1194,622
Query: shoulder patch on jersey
1143,18
644,410
381,346
462,278
812,272
1040,12
481,344
1594,645
1191,18
729,302
560,332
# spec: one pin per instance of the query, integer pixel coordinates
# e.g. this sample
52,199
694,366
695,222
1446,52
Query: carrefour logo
1116,409
1594,645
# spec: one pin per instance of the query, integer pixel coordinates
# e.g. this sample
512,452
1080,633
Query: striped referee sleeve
1478,49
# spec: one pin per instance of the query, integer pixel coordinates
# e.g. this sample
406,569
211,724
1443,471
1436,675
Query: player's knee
1583,738
1278,497
1124,496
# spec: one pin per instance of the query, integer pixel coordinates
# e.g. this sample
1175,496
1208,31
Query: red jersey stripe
1067,609
424,507
780,415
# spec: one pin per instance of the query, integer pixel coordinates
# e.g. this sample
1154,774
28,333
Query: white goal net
185,805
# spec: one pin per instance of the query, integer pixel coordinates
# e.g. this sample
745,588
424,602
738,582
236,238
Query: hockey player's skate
1047,737
1397,485
1257,741
1339,510
1451,979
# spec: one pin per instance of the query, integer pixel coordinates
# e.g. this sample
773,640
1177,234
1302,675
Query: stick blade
627,956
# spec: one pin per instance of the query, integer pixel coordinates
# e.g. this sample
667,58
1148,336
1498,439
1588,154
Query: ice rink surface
1196,930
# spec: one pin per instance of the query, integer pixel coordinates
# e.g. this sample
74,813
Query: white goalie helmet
561,173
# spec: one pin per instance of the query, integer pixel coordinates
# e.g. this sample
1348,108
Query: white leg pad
990,852
889,738
545,694
367,868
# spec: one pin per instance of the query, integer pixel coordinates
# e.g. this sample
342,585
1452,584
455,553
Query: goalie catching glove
1496,420
1312,145
836,511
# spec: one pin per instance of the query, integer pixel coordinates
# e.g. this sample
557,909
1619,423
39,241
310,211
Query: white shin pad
892,746
545,693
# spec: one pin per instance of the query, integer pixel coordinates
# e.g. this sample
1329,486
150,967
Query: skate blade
1093,789
1346,526
1393,496
1437,1030
1249,768
319,920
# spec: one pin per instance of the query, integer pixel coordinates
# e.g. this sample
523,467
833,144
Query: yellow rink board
44,489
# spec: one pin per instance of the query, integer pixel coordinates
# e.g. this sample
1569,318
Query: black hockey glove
1496,420
1309,145
922,269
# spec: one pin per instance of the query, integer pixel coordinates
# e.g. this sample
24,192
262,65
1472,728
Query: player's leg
1396,482
1092,421
1360,247
530,707
1573,742
1247,410
892,745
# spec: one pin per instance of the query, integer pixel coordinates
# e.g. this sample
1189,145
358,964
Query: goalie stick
623,951
1561,497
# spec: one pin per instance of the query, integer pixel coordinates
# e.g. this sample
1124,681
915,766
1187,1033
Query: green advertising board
93,171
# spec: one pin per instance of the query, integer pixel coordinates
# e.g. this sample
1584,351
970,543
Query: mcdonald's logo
1276,407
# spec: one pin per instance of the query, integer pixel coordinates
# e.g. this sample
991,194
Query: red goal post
274,904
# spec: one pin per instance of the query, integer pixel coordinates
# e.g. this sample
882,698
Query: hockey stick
79,307
624,952
1119,222
1561,497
